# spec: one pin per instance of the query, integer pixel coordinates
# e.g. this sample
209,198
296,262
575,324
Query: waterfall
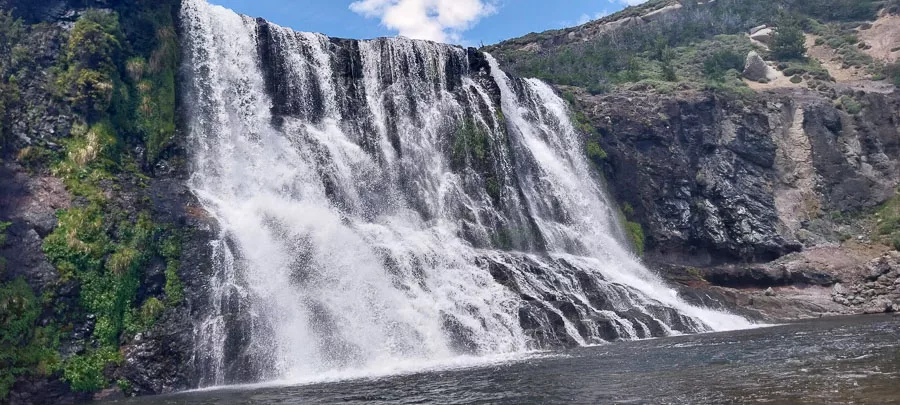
396,201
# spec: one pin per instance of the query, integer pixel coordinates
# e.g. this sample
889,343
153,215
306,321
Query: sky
465,22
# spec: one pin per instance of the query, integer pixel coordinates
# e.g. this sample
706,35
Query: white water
351,241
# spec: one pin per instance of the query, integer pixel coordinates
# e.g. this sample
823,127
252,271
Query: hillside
788,181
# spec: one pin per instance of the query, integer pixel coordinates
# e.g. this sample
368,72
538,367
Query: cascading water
392,201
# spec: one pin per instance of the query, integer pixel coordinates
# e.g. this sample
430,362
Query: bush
720,62
850,105
85,372
25,347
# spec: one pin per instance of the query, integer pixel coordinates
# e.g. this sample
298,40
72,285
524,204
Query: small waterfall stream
396,201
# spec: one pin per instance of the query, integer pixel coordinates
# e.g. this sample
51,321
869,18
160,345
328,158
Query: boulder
756,69
838,289
763,35
754,30
661,13
879,306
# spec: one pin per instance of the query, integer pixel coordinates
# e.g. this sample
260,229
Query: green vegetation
470,142
888,222
117,70
636,236
633,229
170,249
804,67
11,31
850,105
838,10
85,372
788,42
3,227
892,71
25,347
595,152
720,62
843,39
700,47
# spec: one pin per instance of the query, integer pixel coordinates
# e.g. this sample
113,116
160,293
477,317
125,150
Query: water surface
834,360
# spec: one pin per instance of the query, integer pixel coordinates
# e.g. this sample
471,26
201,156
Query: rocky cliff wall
718,180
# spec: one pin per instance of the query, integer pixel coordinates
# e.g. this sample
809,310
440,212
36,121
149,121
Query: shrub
788,41
720,62
85,372
892,71
25,347
850,105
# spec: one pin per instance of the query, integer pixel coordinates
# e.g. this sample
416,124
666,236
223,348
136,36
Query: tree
788,41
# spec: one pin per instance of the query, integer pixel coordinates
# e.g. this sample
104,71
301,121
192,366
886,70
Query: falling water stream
390,204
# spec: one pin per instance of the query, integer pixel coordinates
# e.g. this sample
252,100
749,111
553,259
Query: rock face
718,181
158,360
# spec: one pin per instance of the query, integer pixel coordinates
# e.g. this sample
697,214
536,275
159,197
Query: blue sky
469,22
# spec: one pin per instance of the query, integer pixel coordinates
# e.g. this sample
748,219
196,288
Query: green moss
174,288
636,236
470,144
595,153
3,227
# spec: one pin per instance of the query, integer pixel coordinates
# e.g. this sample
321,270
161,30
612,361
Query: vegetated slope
731,181
95,235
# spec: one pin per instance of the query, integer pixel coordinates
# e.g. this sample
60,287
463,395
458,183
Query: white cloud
435,20
632,2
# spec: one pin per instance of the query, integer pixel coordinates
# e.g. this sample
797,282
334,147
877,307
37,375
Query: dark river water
828,361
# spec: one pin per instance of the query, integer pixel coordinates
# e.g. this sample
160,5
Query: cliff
776,199
738,186
102,242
